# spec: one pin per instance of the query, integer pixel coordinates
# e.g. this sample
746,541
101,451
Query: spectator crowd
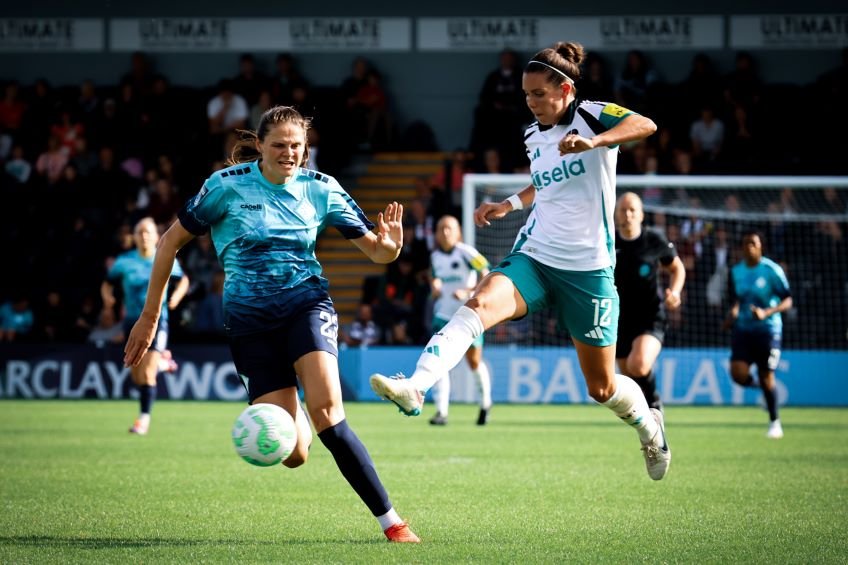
81,164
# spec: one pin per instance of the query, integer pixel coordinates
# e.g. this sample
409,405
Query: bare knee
601,392
637,366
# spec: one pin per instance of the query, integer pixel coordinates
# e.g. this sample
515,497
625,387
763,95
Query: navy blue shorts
758,348
265,360
160,338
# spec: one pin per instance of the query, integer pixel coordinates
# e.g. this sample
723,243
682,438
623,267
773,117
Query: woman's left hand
573,143
390,227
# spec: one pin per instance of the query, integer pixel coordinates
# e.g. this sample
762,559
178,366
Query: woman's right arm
144,329
497,210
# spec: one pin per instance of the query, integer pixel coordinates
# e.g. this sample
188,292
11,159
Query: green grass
540,484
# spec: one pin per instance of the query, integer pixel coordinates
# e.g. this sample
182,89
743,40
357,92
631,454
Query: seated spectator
286,79
16,319
107,330
631,87
743,85
53,318
501,112
140,76
68,129
371,100
12,110
263,102
363,331
449,178
595,84
18,167
51,163
88,103
702,87
250,81
707,137
226,110
84,160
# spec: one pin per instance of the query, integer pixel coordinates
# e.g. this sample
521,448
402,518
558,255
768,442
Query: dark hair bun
570,52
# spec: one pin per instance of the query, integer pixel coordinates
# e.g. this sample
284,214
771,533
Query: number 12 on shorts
603,310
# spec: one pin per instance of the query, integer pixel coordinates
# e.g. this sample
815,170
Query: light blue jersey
265,237
132,272
764,285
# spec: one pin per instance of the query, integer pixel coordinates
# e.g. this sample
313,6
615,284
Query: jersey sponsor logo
563,172
252,207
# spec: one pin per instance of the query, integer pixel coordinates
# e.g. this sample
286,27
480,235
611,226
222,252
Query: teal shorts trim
439,323
584,302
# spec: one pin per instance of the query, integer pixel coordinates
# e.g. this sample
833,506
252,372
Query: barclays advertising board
519,375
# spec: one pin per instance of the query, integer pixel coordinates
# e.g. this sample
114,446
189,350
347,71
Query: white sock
629,404
484,385
441,395
446,348
144,418
389,519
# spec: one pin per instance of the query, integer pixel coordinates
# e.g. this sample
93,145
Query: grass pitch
540,484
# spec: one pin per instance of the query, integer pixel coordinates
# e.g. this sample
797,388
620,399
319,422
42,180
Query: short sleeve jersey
571,224
132,272
264,235
764,285
458,269
637,269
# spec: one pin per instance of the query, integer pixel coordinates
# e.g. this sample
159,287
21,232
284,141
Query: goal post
803,221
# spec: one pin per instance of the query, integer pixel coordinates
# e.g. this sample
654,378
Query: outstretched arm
385,245
144,329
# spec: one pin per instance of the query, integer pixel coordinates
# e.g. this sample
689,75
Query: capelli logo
254,207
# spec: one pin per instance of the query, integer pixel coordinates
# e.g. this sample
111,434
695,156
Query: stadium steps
384,178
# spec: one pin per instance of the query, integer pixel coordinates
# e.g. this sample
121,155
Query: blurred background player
563,255
264,214
456,269
132,270
642,321
759,292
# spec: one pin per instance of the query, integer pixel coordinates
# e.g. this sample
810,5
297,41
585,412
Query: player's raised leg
495,300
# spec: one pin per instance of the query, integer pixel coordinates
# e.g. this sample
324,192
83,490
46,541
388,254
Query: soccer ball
264,435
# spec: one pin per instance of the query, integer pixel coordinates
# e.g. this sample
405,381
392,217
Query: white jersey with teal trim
571,224
458,269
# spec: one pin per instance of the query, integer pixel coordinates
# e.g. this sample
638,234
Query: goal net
803,222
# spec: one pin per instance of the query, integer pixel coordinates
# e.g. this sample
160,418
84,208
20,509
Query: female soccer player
456,267
265,216
642,322
563,256
759,292
133,270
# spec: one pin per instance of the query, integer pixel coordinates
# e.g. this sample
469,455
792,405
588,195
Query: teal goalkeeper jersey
132,272
764,285
264,235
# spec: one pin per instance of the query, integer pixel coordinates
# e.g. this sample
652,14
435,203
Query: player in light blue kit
759,292
265,216
132,271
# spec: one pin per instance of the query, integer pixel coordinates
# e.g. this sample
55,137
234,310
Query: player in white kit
456,269
563,256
